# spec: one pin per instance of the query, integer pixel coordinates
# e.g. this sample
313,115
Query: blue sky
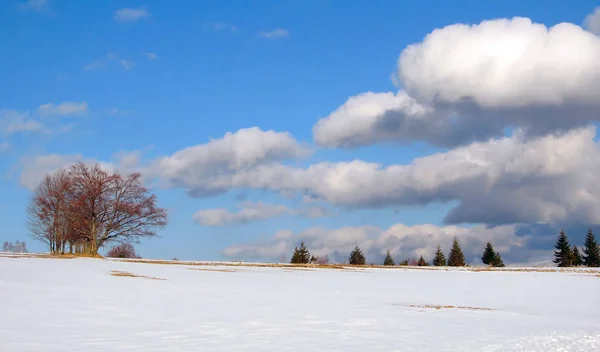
166,76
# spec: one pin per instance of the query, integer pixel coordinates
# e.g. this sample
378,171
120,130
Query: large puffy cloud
464,83
211,168
403,241
509,180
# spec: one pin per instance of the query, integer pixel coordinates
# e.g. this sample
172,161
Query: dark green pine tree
497,261
439,259
422,262
576,257
356,257
563,256
301,255
403,263
388,259
488,254
591,251
456,256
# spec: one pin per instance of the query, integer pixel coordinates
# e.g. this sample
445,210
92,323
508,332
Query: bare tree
48,218
89,207
112,208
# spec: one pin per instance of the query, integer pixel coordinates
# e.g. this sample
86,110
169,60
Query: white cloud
64,108
592,21
34,5
107,59
404,242
459,87
363,120
35,168
131,14
274,34
482,63
509,180
150,56
210,168
249,213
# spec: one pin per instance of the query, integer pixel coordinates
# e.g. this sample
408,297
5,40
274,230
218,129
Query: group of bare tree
17,247
81,209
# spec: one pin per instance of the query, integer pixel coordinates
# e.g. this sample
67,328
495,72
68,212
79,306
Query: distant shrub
320,260
123,250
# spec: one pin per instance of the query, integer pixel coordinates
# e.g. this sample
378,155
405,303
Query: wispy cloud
106,59
274,34
119,112
131,15
150,56
12,122
127,64
65,108
34,5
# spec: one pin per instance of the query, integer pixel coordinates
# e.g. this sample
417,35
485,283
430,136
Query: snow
77,305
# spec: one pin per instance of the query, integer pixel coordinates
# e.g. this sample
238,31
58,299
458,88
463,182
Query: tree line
82,209
17,247
456,257
567,256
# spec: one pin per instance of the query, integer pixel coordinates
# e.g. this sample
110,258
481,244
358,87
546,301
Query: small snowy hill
107,305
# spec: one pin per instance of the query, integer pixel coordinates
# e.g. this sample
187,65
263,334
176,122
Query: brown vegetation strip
446,307
215,270
128,274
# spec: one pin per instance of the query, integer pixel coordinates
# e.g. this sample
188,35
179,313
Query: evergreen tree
563,255
301,255
422,262
356,257
403,263
576,257
439,259
388,259
488,254
591,251
497,261
456,256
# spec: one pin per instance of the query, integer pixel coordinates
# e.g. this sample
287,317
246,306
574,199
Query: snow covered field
93,305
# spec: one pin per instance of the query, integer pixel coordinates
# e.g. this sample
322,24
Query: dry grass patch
128,274
431,306
215,270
